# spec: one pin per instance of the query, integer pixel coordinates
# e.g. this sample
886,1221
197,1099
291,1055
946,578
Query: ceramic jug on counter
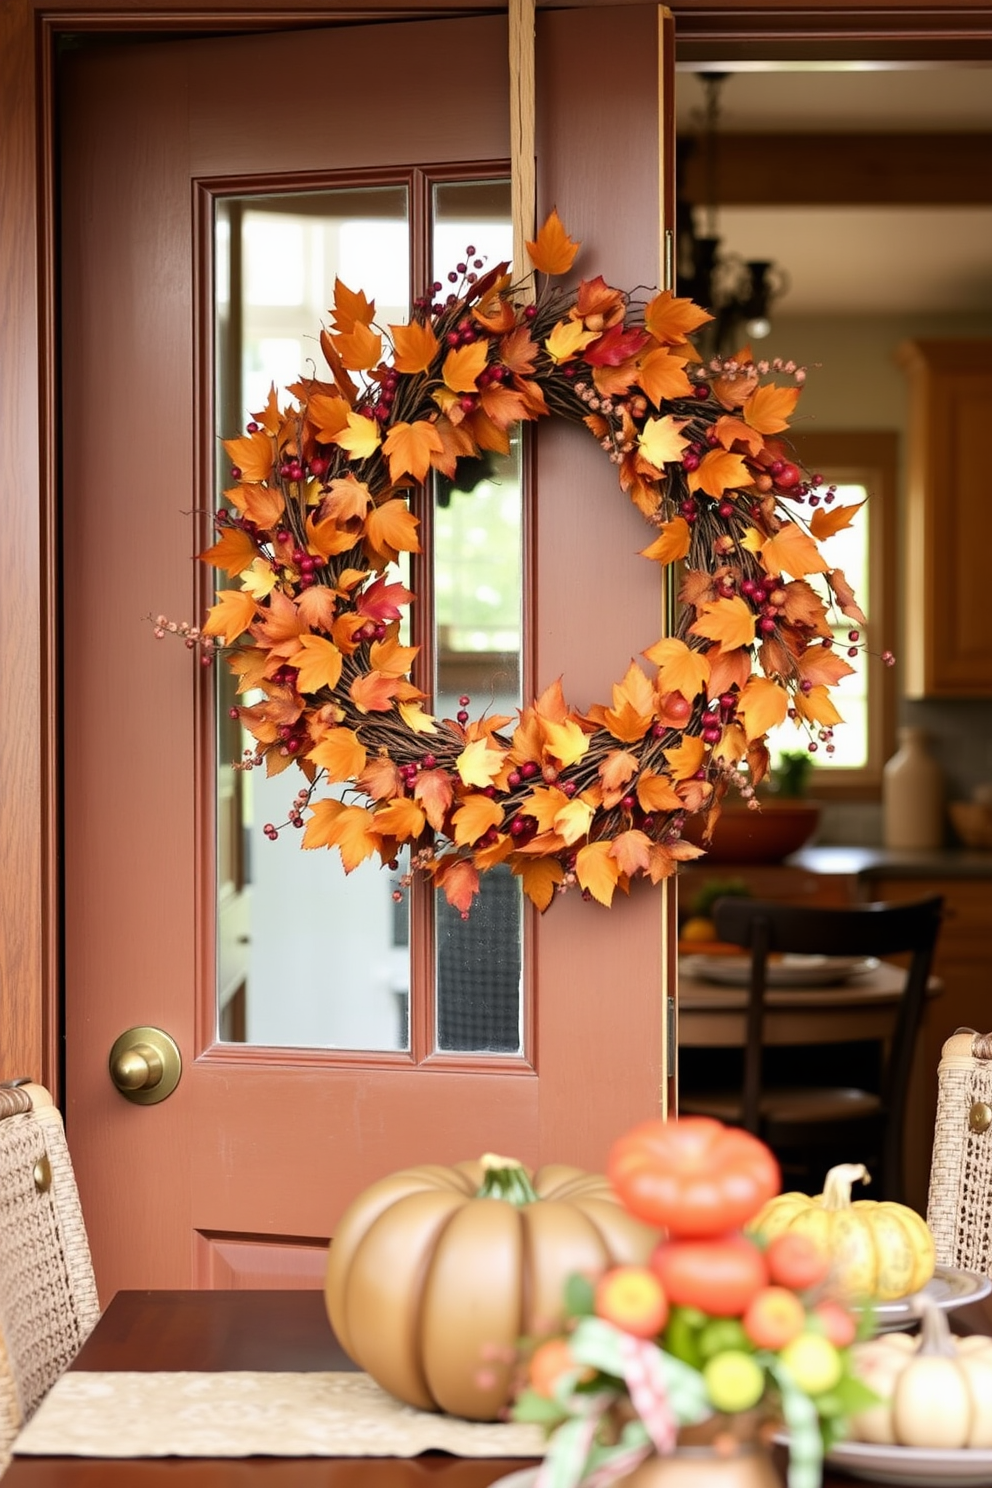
913,795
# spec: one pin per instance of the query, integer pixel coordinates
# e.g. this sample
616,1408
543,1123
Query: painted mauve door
238,1177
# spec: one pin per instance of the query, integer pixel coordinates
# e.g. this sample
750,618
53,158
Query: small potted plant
680,1371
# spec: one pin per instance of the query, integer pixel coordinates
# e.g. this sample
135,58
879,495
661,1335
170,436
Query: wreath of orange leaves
319,510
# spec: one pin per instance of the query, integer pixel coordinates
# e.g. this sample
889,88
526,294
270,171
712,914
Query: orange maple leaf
474,817
400,818
655,792
348,828
344,631
360,348
719,471
414,346
730,431
845,596
680,668
318,662
263,504
347,500
551,704
380,779
329,415
360,437
269,417
462,366
728,669
544,804
617,768
433,790
670,319
231,616
822,666
730,622
685,759
573,820
460,882
553,251
792,551
373,693
351,308
597,871
762,705
328,538
817,706
280,621
456,442
341,753
252,454
828,520
408,448
632,851
391,529
769,408
235,550
662,375
539,877
390,658
505,406
344,384
317,607
803,606
518,352
671,543
632,713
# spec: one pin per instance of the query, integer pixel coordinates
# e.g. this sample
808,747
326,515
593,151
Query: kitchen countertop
876,862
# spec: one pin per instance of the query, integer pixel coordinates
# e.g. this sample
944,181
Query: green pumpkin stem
506,1178
837,1184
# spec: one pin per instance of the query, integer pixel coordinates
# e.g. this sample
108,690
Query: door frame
30,30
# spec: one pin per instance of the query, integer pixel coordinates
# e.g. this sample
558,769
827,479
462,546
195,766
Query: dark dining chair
811,1121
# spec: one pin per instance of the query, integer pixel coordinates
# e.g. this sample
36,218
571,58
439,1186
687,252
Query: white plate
912,1467
947,1288
787,971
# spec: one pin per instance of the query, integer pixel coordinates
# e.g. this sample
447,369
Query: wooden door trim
30,899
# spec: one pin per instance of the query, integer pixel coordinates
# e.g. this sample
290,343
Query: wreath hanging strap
319,510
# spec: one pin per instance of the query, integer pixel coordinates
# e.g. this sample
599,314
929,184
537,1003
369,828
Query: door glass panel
478,615
307,956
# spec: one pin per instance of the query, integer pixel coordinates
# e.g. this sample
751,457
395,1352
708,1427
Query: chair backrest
48,1297
863,930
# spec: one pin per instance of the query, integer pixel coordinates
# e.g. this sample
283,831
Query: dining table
160,1332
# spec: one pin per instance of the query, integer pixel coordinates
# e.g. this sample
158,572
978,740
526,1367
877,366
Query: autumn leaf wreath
319,510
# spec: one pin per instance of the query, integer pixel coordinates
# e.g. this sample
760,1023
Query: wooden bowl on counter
972,821
768,835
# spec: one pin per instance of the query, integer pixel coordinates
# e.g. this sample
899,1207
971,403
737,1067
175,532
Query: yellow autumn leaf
414,346
400,818
260,579
685,759
319,663
564,742
416,719
762,706
660,440
792,551
360,436
462,366
720,470
672,542
234,611
341,753
730,622
391,529
474,817
573,820
539,877
680,669
348,828
478,764
567,339
769,408
827,520
597,871
552,251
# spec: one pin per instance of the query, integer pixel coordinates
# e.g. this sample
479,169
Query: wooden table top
269,1331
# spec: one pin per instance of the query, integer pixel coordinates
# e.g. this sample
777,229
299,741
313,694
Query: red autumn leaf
553,251
382,601
616,345
409,447
414,346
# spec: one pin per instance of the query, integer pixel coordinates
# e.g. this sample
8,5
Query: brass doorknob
145,1065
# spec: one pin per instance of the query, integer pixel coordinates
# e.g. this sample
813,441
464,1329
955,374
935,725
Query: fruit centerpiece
718,1340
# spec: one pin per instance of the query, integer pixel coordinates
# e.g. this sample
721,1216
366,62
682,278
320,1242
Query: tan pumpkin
936,1390
879,1250
436,1273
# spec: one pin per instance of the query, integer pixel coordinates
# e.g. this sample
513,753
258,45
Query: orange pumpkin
436,1273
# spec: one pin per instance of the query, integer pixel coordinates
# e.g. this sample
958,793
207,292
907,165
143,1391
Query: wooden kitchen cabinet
948,629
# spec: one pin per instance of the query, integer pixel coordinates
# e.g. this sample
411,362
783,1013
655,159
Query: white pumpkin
936,1390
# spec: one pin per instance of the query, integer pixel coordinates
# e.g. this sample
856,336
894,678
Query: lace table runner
246,1414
